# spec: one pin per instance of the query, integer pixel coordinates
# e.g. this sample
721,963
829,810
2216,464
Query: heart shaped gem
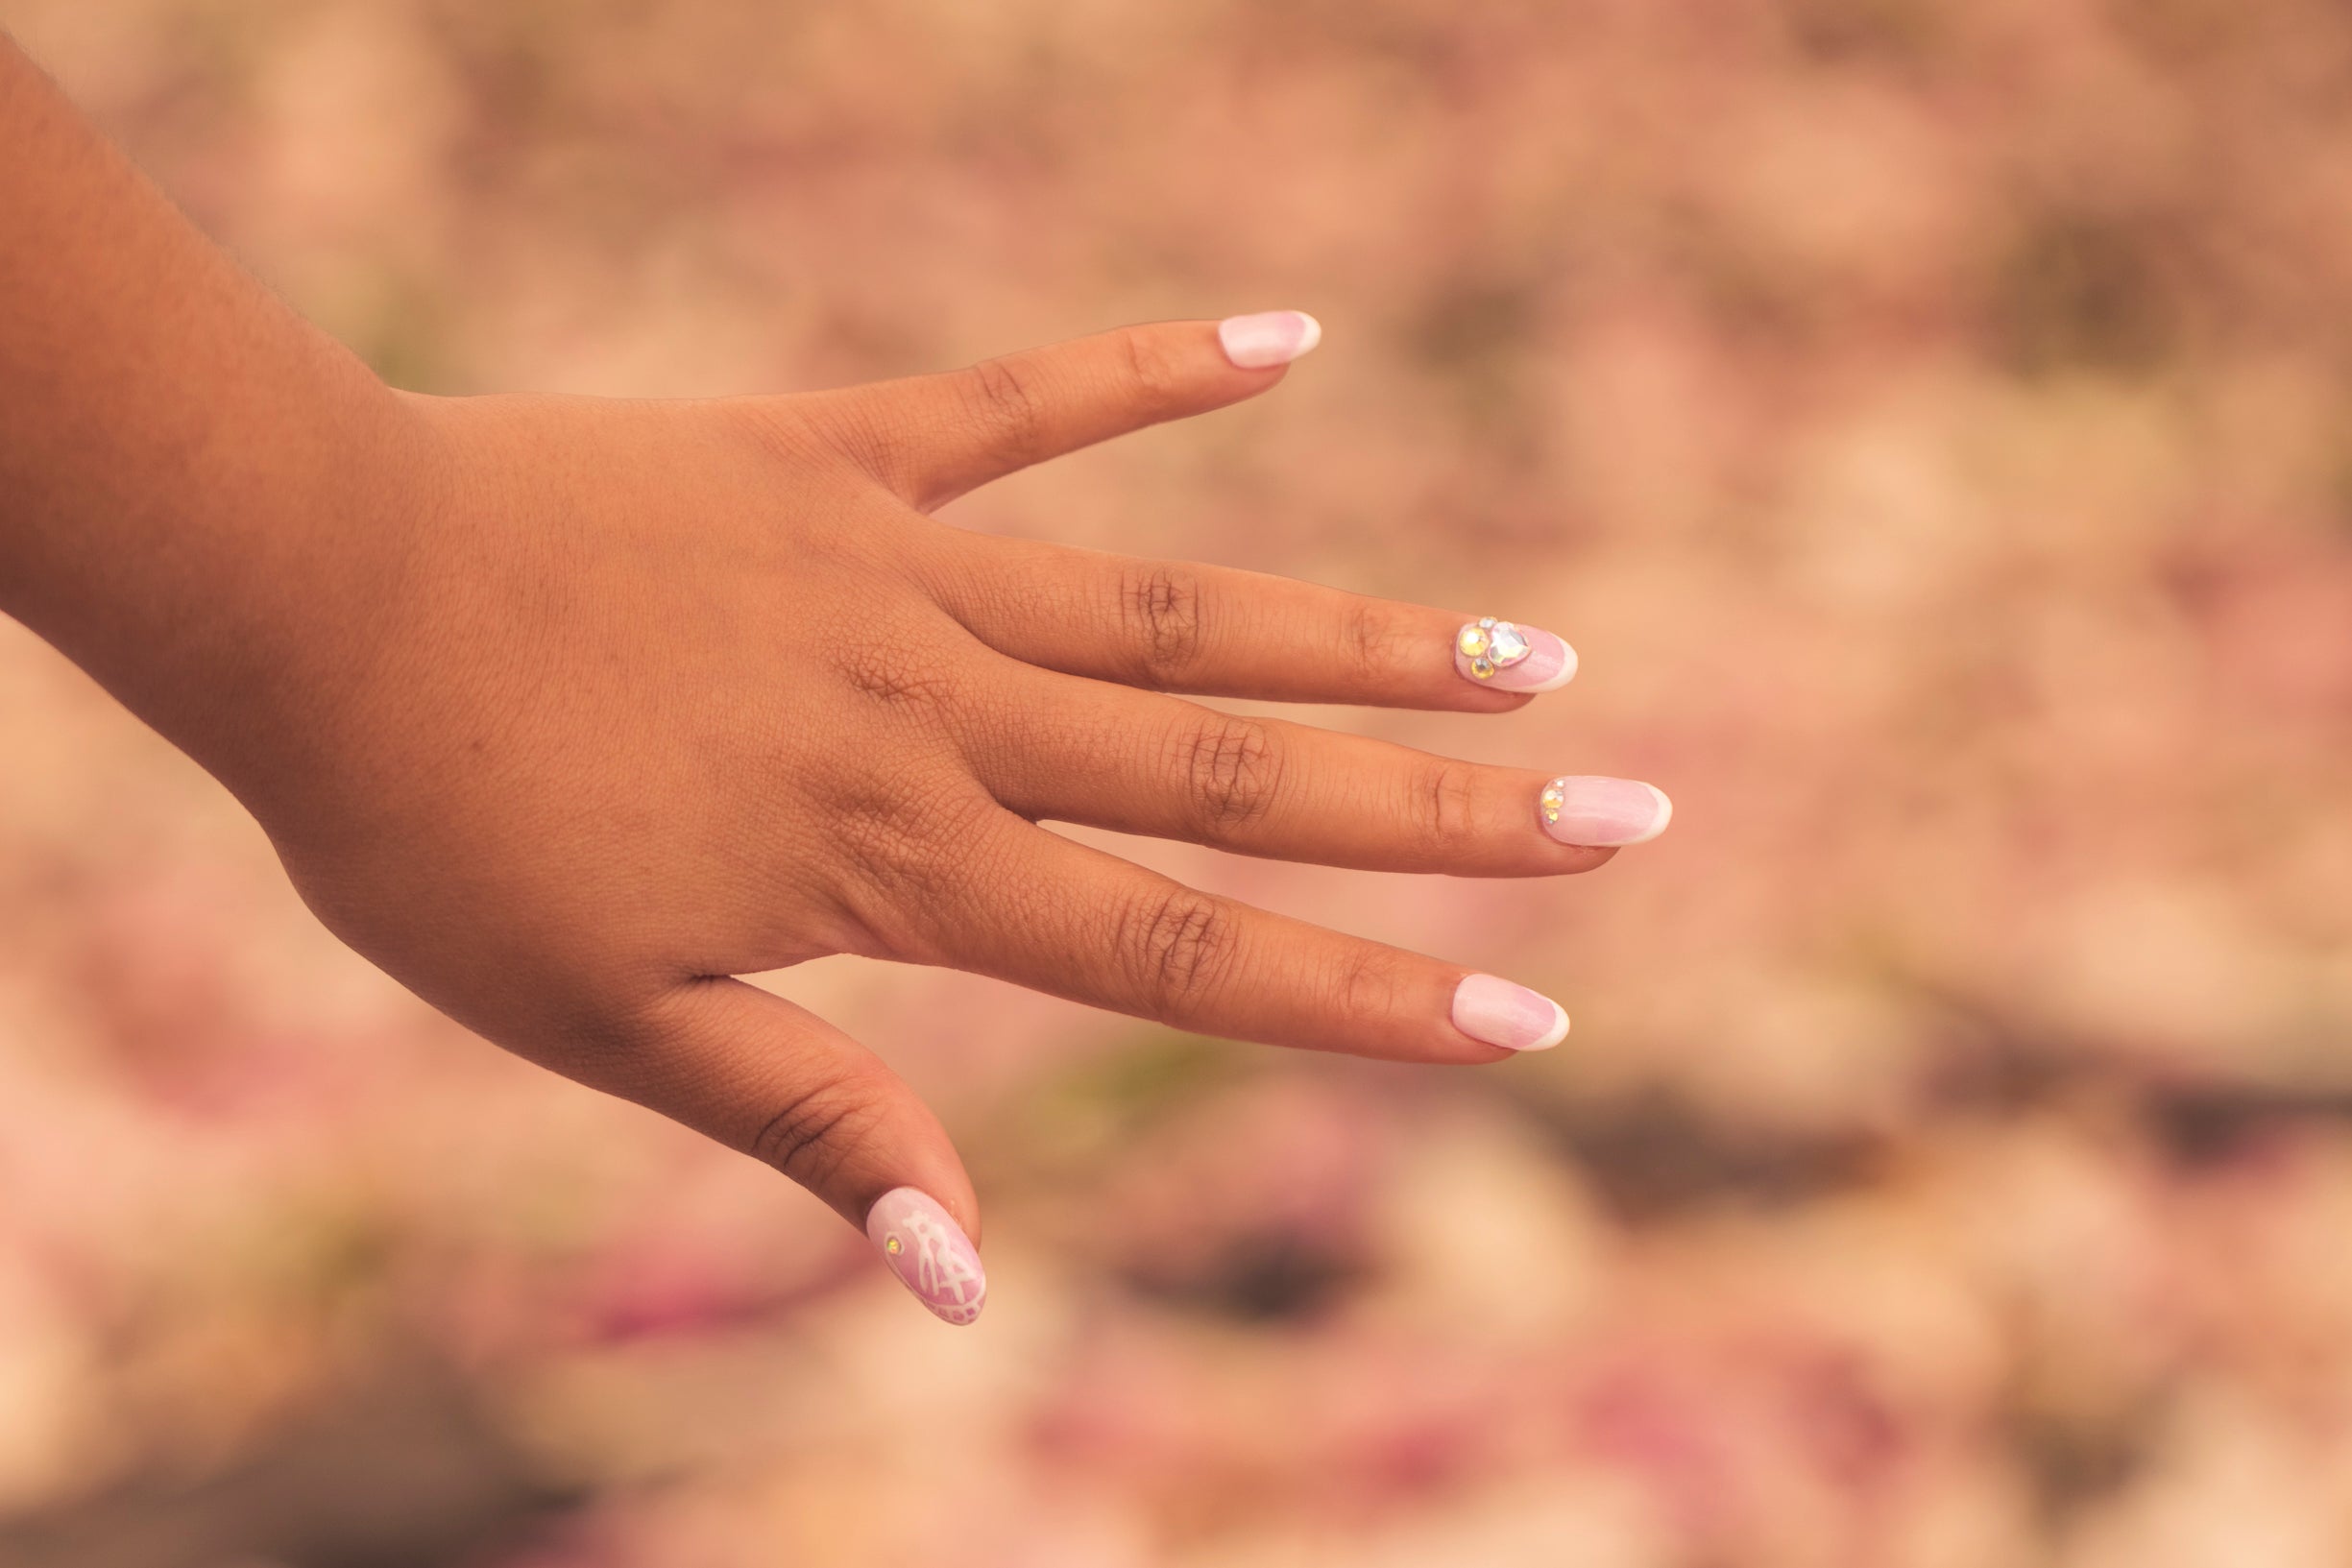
1491,645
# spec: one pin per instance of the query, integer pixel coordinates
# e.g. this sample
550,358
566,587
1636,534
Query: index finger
932,438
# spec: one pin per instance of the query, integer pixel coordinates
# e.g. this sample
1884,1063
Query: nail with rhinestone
929,1252
1603,813
1513,658
1493,1010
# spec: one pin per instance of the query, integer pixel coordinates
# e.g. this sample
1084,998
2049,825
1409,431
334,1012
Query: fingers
1081,751
762,1076
1063,918
932,438
1220,632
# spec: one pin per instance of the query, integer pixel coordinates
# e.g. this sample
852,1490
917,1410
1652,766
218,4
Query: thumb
775,1081
932,438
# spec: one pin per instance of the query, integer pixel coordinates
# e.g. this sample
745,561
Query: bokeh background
1931,424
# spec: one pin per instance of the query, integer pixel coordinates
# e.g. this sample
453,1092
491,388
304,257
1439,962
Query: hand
668,692
566,711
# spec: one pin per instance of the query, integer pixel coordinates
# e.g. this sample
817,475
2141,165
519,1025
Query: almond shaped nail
1511,658
1492,1009
1603,814
1270,338
929,1252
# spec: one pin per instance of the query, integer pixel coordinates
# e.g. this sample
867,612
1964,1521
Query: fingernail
929,1252
1273,337
1513,658
1603,813
1500,1013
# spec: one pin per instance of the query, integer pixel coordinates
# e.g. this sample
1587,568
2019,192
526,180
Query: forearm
192,478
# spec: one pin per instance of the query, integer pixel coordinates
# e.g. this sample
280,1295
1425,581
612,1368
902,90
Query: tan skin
565,710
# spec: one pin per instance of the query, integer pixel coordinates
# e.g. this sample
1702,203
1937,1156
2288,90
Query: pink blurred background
1930,422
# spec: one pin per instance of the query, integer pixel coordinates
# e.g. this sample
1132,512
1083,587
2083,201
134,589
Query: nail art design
1513,658
1492,1009
929,1252
1603,814
1272,337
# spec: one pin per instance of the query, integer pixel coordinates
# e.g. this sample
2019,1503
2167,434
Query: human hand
663,694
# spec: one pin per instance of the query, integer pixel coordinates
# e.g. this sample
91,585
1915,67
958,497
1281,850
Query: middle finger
1081,750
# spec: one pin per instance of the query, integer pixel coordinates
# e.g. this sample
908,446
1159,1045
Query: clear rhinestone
1510,645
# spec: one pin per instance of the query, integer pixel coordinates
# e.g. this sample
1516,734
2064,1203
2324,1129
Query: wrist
235,608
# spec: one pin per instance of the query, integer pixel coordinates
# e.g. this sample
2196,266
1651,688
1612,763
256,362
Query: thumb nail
929,1252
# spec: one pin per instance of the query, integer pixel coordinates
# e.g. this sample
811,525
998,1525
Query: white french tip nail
1562,677
1665,814
1269,338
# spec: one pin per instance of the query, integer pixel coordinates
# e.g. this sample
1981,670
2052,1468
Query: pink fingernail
1603,813
929,1252
1500,1013
1513,658
1275,337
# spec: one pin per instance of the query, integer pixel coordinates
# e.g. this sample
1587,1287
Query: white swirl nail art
929,1252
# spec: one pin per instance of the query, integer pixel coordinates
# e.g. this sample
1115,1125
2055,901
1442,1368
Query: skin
566,711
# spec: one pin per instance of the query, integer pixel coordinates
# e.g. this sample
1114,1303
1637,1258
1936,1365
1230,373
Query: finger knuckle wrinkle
1180,946
910,857
1003,398
1374,642
1161,609
1369,986
1150,370
888,679
815,1132
1449,806
1233,769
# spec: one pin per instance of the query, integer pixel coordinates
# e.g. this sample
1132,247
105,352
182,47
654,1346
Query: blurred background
1930,422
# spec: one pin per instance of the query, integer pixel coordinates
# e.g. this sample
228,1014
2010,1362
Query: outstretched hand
668,692
569,710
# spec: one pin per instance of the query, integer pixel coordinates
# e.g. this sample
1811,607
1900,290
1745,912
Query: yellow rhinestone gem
1550,803
891,1246
1481,668
1473,642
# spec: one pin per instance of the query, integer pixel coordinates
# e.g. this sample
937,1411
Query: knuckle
1444,808
875,673
1003,400
807,428
816,1130
1159,607
1231,770
909,856
1153,374
903,668
1369,984
1178,948
1374,640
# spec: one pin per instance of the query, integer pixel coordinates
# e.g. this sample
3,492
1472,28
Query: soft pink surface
929,1252
1272,337
1501,1013
1605,811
